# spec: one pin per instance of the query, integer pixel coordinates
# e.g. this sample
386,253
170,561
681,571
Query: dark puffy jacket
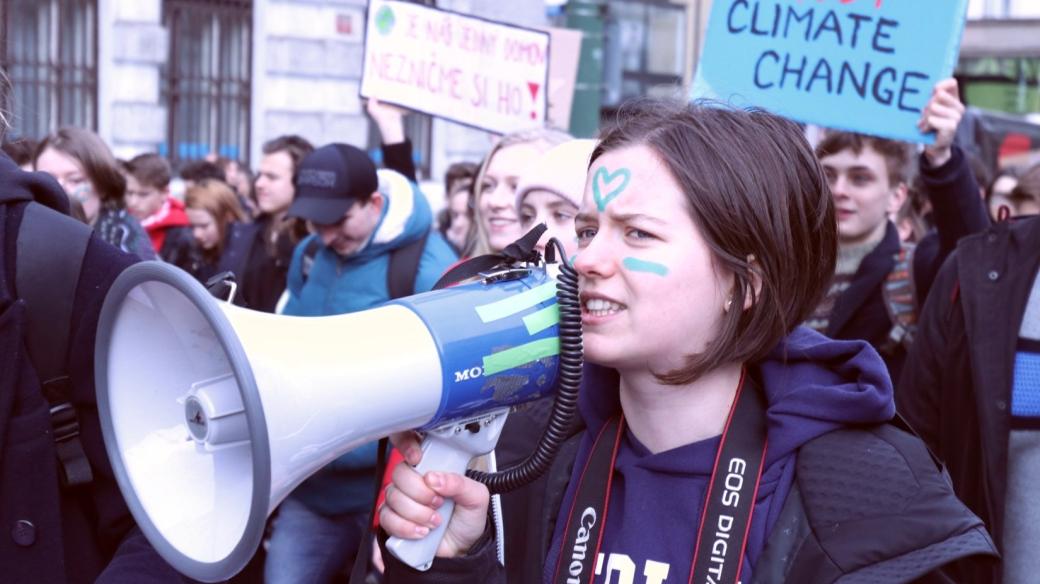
956,390
261,276
179,248
52,534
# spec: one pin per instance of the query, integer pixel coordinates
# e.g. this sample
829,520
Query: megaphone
212,413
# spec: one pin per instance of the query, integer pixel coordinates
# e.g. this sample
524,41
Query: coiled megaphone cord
568,382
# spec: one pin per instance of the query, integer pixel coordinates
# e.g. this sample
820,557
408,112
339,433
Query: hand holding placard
942,115
388,118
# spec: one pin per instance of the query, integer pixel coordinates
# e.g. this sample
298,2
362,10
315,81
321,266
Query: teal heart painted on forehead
614,182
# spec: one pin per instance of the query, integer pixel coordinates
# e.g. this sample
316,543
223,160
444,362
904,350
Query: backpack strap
47,272
309,253
400,275
404,268
900,297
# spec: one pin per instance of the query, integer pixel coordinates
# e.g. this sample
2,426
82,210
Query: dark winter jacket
860,312
261,275
956,389
179,248
834,472
398,157
51,534
170,233
115,226
203,266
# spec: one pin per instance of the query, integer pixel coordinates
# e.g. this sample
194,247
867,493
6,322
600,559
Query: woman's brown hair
93,155
219,200
760,199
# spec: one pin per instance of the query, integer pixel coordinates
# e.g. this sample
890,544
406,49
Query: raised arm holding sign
942,115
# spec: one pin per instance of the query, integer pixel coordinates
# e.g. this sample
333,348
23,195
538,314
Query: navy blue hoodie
656,502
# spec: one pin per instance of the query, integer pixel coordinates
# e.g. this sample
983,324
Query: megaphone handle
447,449
441,456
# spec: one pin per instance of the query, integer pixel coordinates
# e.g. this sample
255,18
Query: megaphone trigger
449,448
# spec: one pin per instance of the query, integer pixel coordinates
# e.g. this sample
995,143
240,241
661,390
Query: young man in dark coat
972,383
259,253
868,177
52,533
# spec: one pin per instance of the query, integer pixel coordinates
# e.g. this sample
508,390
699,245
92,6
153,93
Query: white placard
477,72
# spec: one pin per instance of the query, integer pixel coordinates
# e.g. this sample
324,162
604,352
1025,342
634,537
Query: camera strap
725,521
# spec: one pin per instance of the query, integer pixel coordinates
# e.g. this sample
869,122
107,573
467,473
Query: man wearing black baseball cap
372,232
337,190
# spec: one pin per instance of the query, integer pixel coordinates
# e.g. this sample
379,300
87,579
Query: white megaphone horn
212,413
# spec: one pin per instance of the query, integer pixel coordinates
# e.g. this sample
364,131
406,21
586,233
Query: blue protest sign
861,65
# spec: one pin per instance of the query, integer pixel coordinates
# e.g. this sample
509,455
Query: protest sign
469,70
563,74
861,65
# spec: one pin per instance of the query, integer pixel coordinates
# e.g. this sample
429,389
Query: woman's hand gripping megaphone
431,509
413,501
419,511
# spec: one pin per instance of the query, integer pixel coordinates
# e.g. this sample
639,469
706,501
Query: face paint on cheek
81,193
637,265
613,183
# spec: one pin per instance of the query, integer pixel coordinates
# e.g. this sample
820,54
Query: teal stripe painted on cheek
637,265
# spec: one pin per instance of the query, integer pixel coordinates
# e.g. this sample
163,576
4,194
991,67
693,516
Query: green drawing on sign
603,180
385,20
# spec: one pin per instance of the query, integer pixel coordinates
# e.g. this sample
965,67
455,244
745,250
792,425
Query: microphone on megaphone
212,413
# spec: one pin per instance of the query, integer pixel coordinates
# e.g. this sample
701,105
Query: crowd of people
851,329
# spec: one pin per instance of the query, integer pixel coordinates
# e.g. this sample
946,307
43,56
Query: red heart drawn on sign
534,87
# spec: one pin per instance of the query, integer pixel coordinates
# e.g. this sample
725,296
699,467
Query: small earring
729,303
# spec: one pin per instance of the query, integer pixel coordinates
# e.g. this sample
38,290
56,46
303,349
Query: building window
206,80
48,49
645,49
1005,84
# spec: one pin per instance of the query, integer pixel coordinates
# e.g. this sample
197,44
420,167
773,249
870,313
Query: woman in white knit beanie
495,223
551,189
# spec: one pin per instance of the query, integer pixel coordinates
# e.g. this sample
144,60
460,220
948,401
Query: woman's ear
754,280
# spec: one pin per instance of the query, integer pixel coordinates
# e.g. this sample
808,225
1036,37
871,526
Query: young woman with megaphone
722,442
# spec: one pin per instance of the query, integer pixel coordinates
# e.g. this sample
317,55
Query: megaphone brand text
467,374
